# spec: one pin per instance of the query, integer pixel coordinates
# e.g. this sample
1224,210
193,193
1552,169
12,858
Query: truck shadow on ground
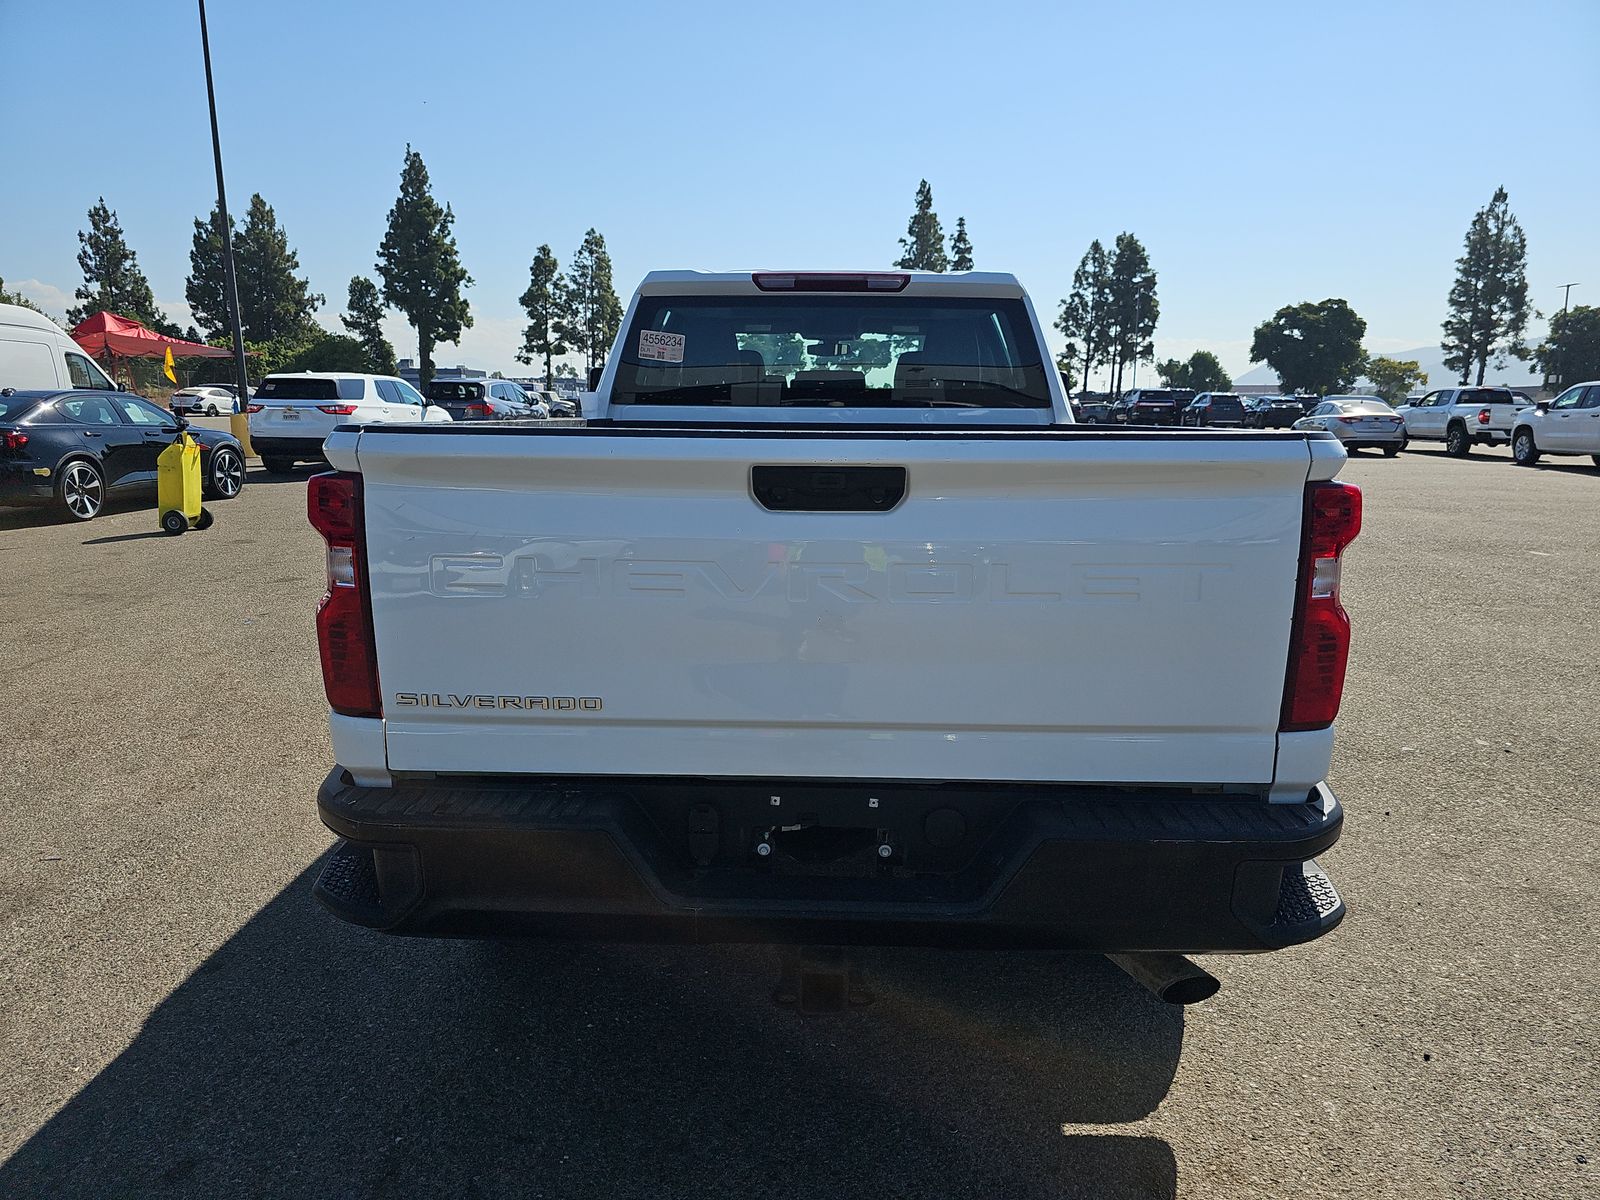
308,1058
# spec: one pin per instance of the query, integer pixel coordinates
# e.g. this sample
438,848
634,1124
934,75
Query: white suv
290,414
1569,424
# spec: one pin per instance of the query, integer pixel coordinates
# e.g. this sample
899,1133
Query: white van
37,355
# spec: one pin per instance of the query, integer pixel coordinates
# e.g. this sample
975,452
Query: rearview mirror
1542,405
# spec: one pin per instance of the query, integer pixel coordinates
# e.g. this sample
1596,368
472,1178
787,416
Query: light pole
239,422
1566,294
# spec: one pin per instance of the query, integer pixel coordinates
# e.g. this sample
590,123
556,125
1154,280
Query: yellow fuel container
178,487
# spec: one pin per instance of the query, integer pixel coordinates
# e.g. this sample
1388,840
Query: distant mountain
1430,359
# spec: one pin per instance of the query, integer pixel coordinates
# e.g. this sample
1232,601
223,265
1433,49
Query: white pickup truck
830,627
1463,417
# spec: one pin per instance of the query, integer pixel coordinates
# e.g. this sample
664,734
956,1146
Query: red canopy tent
107,333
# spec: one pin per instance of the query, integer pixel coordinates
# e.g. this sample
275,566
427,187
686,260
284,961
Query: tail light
1319,643
344,617
477,410
337,410
254,408
15,440
1483,416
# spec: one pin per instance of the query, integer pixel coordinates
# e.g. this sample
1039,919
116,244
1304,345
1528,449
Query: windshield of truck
1486,396
845,352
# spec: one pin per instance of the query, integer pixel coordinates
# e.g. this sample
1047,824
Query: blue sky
1265,153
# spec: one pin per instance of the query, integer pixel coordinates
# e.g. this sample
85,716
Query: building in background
408,370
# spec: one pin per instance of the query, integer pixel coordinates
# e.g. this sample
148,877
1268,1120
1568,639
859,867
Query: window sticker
655,346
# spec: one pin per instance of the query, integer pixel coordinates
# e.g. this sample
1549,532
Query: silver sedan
1358,422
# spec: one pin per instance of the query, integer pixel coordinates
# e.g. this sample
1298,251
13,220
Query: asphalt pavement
179,1018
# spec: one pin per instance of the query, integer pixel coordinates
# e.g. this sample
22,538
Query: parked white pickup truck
830,627
1463,417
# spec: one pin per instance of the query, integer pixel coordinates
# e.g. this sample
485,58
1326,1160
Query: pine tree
363,317
207,287
421,270
1085,313
960,247
1133,309
590,313
923,245
273,301
1489,299
112,280
541,303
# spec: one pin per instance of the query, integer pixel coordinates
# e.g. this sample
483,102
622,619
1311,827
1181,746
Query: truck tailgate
1076,606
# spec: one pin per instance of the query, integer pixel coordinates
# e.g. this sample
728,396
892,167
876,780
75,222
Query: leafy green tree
1086,312
421,270
923,246
1202,372
273,301
363,317
16,298
590,313
960,247
1571,351
1133,308
1393,378
112,280
207,287
331,352
1066,367
1489,298
542,304
1313,347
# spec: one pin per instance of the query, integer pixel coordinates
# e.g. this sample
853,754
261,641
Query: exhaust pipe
1172,977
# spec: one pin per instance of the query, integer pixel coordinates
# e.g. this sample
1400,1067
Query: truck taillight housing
1319,644
344,617
1483,416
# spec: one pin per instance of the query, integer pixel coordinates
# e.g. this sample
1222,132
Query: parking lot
178,1017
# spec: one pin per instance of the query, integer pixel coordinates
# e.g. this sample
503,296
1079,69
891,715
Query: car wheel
1391,451
1523,451
278,466
1456,442
211,410
226,478
1596,458
81,490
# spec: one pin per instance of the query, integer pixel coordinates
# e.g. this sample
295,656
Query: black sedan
77,449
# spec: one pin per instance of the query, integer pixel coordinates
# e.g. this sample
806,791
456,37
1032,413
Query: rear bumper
20,485
307,449
1087,869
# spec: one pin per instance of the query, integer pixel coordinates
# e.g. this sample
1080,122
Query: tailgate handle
827,489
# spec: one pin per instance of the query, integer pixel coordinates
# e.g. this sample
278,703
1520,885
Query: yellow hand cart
178,487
